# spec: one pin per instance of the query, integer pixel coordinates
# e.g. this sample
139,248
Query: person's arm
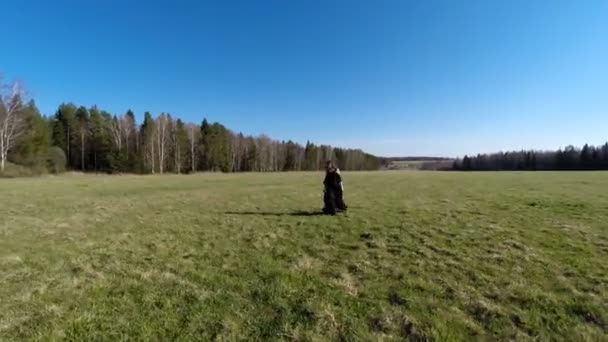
340,182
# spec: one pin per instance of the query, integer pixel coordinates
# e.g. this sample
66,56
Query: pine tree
64,125
82,120
34,144
99,139
204,145
131,141
585,157
148,130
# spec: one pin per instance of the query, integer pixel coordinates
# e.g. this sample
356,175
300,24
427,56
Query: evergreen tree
585,158
182,147
148,129
204,145
33,146
82,121
95,140
131,142
64,125
596,159
99,140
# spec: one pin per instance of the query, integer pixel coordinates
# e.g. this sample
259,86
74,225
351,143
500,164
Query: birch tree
117,129
194,134
128,129
12,120
162,124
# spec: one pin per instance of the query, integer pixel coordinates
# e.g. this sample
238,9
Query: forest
571,158
91,139
78,138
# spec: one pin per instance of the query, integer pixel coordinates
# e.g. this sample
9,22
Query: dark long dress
334,197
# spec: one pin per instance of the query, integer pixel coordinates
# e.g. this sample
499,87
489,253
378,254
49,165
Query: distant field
427,164
408,163
419,256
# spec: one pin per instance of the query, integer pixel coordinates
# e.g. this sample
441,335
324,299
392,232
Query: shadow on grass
269,213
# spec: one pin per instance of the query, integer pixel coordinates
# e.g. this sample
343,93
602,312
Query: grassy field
419,256
428,164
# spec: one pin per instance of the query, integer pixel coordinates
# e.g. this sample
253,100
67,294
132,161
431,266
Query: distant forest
423,159
94,140
571,158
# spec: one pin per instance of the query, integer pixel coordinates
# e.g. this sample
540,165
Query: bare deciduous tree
152,156
12,121
162,138
127,130
194,133
176,148
117,129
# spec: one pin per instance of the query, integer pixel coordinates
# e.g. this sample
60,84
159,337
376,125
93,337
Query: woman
334,190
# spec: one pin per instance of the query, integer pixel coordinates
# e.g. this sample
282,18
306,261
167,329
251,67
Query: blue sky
392,77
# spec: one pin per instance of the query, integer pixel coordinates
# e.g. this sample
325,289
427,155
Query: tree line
95,140
571,158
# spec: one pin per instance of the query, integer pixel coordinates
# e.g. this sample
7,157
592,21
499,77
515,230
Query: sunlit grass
418,256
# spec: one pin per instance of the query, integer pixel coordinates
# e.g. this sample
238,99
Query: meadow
419,256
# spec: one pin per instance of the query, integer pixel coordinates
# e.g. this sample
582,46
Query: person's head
329,166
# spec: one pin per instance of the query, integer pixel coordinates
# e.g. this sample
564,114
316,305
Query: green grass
419,256
406,164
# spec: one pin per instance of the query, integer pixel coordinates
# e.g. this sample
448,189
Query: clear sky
394,77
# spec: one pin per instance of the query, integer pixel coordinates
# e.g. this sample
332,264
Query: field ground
406,165
419,256
426,164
